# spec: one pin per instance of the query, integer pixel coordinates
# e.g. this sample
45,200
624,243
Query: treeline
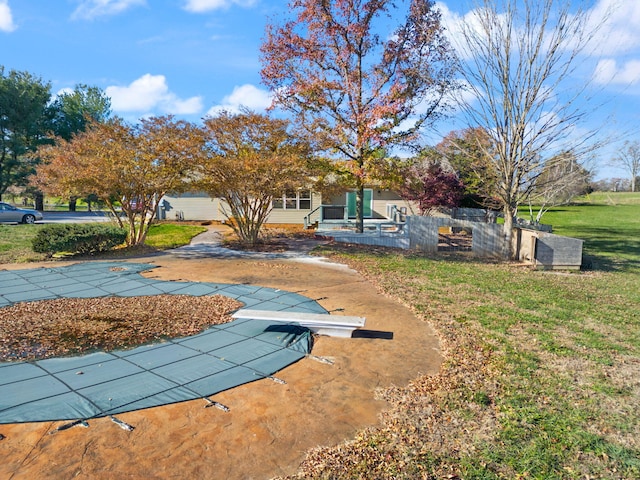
614,184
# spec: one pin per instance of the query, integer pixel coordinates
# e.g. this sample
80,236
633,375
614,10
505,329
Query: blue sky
192,57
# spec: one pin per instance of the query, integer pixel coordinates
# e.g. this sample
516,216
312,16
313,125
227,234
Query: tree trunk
509,214
360,209
39,200
72,203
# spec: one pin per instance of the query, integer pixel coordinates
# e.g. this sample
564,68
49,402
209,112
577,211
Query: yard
542,371
541,377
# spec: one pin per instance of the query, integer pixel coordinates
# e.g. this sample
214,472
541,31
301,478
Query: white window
294,200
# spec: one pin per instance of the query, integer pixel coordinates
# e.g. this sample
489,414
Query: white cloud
615,23
620,32
248,96
6,19
451,21
64,91
200,6
90,9
190,106
455,24
608,72
151,93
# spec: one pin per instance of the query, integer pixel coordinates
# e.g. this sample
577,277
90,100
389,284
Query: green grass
541,372
541,380
15,244
15,240
170,235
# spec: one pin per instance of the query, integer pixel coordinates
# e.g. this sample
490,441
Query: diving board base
320,323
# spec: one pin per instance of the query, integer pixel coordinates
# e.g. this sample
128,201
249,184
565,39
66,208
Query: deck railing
327,212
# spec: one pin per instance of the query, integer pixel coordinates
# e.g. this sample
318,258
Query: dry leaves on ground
68,326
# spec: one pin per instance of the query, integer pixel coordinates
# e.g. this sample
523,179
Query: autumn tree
470,153
131,166
359,76
521,57
628,159
430,182
251,158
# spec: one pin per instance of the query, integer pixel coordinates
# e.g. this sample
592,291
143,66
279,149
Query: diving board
320,323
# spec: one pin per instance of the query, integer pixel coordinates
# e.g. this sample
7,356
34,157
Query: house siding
190,206
294,216
200,207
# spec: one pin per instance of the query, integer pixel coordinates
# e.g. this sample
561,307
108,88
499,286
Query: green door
367,203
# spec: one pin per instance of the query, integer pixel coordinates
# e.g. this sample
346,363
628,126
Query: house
301,207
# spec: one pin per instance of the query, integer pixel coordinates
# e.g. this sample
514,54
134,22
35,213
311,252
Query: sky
192,58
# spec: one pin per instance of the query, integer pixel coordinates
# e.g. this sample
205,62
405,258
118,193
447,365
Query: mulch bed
71,326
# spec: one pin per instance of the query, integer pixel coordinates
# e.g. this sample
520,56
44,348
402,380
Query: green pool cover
102,384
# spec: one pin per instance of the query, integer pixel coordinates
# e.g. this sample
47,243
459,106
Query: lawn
542,371
15,244
15,240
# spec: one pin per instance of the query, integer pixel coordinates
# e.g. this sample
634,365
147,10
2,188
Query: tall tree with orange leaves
359,76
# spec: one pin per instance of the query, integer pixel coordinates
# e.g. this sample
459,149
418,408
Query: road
76,217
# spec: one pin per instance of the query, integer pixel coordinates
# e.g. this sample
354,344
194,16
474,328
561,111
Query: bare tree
629,160
561,180
521,59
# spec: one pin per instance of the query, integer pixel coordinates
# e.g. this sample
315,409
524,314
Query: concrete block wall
394,241
423,232
524,244
544,250
558,252
547,250
487,238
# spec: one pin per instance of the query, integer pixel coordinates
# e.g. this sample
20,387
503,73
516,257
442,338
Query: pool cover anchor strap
213,403
121,424
325,360
67,426
277,380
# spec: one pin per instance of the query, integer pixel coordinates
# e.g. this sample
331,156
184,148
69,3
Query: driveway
76,217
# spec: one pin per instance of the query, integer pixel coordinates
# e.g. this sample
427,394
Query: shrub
77,238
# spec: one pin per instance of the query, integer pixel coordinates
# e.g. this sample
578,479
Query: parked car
11,214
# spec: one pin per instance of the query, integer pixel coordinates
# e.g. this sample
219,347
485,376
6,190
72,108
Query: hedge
77,238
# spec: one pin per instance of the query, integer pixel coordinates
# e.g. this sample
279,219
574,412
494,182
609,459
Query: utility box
547,250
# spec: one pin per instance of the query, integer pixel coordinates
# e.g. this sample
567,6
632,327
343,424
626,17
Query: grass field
15,240
542,371
15,244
